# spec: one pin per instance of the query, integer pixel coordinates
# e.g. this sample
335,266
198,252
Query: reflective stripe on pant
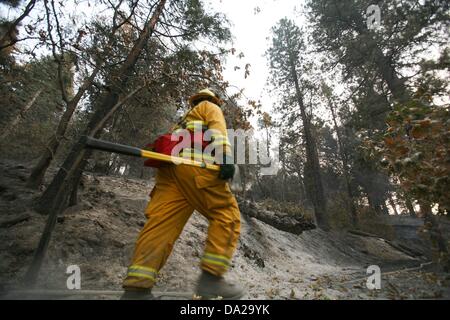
178,192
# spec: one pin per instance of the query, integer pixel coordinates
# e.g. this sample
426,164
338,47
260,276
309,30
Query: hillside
99,233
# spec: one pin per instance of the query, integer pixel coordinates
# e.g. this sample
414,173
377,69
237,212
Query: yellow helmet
205,93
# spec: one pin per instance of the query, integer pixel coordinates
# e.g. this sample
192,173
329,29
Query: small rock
141,223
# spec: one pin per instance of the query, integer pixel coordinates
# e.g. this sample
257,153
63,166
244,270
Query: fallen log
288,223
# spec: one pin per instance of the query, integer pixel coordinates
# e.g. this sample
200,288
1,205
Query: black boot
137,294
210,286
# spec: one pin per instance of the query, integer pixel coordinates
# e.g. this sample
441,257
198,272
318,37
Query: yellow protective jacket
180,190
207,116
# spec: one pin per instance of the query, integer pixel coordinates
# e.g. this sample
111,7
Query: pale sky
251,31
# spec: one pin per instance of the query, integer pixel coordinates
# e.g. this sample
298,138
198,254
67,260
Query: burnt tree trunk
409,205
313,179
393,204
346,167
395,84
439,243
376,201
386,69
301,189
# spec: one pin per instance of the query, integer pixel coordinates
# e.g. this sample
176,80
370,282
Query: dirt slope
98,235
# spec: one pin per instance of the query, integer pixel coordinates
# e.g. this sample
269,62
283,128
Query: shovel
98,144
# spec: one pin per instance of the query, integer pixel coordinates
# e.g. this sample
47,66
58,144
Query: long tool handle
136,152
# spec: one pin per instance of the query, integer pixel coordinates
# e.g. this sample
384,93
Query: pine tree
287,69
407,28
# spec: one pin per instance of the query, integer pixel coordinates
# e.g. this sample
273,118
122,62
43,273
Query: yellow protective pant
180,190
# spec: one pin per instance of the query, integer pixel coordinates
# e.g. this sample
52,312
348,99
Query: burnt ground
98,235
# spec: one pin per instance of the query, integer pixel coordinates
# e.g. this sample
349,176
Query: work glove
226,169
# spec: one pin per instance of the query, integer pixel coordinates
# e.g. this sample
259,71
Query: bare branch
57,58
13,26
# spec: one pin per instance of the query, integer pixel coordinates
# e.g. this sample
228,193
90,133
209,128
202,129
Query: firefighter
179,190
